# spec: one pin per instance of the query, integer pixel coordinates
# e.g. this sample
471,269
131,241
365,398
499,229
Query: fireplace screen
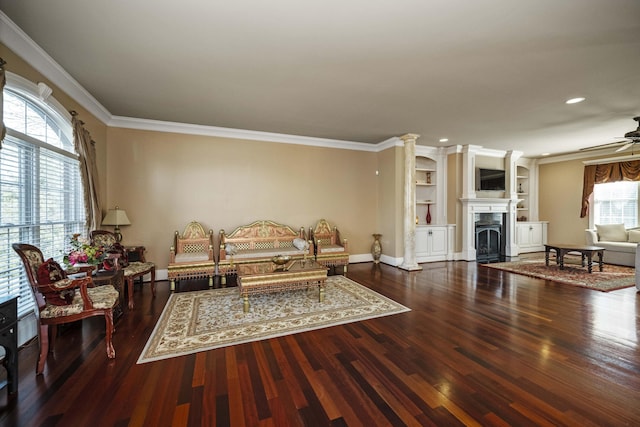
489,236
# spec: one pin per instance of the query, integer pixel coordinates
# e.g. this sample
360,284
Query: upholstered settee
191,256
330,249
619,243
259,242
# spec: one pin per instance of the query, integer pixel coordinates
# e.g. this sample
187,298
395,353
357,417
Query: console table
9,341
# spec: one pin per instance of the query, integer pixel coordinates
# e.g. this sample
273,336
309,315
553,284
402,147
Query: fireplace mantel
472,206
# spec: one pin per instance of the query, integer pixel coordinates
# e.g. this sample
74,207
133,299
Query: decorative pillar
409,222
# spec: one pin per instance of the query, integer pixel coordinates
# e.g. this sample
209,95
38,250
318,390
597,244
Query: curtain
3,81
607,172
86,149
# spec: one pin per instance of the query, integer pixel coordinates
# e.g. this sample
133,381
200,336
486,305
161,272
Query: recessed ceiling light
444,139
574,100
545,154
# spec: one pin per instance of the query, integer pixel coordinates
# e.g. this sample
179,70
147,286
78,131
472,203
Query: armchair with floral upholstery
132,270
191,256
330,249
63,300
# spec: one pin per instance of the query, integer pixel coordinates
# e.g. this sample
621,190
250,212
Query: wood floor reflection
480,347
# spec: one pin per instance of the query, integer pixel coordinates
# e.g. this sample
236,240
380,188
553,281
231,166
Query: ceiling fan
630,138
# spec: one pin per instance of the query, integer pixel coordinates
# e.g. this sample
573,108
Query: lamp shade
116,217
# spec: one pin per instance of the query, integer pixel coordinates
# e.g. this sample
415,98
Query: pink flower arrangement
81,252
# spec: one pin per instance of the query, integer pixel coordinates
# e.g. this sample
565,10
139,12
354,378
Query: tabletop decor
81,252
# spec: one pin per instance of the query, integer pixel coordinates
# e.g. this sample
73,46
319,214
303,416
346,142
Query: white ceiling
493,73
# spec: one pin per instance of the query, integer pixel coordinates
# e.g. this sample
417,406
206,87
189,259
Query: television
490,180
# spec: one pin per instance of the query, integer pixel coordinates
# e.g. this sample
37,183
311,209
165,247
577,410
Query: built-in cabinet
434,242
426,190
523,189
531,236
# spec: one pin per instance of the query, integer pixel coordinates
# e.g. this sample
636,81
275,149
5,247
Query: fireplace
489,236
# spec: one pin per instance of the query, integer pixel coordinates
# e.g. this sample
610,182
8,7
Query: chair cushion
192,257
612,232
51,278
331,249
136,268
102,297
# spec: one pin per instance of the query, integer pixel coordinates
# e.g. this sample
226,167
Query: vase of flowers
81,252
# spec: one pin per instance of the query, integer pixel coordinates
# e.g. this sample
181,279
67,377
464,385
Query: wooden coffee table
265,277
563,249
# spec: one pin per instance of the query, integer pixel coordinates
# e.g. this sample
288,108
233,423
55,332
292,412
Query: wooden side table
135,253
9,340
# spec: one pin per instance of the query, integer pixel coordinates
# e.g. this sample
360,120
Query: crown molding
22,45
191,129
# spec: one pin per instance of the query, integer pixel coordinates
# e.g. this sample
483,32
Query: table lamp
116,217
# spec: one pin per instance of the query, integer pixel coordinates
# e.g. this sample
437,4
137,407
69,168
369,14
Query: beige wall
560,199
164,180
390,204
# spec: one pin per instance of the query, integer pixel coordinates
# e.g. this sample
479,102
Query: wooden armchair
83,300
191,255
330,249
132,270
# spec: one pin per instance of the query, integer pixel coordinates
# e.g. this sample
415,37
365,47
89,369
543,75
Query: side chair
132,270
63,300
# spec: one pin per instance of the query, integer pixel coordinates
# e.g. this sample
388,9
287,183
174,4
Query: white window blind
40,191
616,203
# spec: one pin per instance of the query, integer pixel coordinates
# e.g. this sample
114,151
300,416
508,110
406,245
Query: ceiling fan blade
602,146
624,147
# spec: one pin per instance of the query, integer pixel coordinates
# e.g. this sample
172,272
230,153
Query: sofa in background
619,243
260,241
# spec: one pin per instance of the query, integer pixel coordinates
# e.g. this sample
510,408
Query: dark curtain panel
607,172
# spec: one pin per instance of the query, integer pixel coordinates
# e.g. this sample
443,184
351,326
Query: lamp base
117,234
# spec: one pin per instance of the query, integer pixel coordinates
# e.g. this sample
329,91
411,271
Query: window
41,198
615,203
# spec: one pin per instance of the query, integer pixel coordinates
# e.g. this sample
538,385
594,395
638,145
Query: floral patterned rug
204,320
611,278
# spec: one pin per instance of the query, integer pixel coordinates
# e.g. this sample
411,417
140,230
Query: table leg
590,261
245,303
547,249
560,257
321,292
600,254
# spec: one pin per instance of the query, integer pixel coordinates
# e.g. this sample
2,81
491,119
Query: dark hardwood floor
480,347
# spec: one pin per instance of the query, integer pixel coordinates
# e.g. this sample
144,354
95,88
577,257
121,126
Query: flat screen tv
490,180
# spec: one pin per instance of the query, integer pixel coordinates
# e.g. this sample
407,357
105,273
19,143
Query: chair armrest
81,284
591,237
172,254
345,244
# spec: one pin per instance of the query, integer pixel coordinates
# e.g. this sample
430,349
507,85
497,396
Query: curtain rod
612,159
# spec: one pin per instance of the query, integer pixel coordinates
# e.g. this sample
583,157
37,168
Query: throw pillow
612,233
49,273
230,248
634,236
300,244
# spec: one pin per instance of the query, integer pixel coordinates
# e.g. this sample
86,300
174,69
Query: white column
409,258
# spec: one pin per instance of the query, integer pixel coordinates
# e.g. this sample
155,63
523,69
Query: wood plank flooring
480,347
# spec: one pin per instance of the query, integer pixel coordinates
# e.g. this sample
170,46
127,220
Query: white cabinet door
531,236
437,238
431,243
422,244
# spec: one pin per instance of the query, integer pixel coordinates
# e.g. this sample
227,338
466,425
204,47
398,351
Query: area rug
205,320
613,277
